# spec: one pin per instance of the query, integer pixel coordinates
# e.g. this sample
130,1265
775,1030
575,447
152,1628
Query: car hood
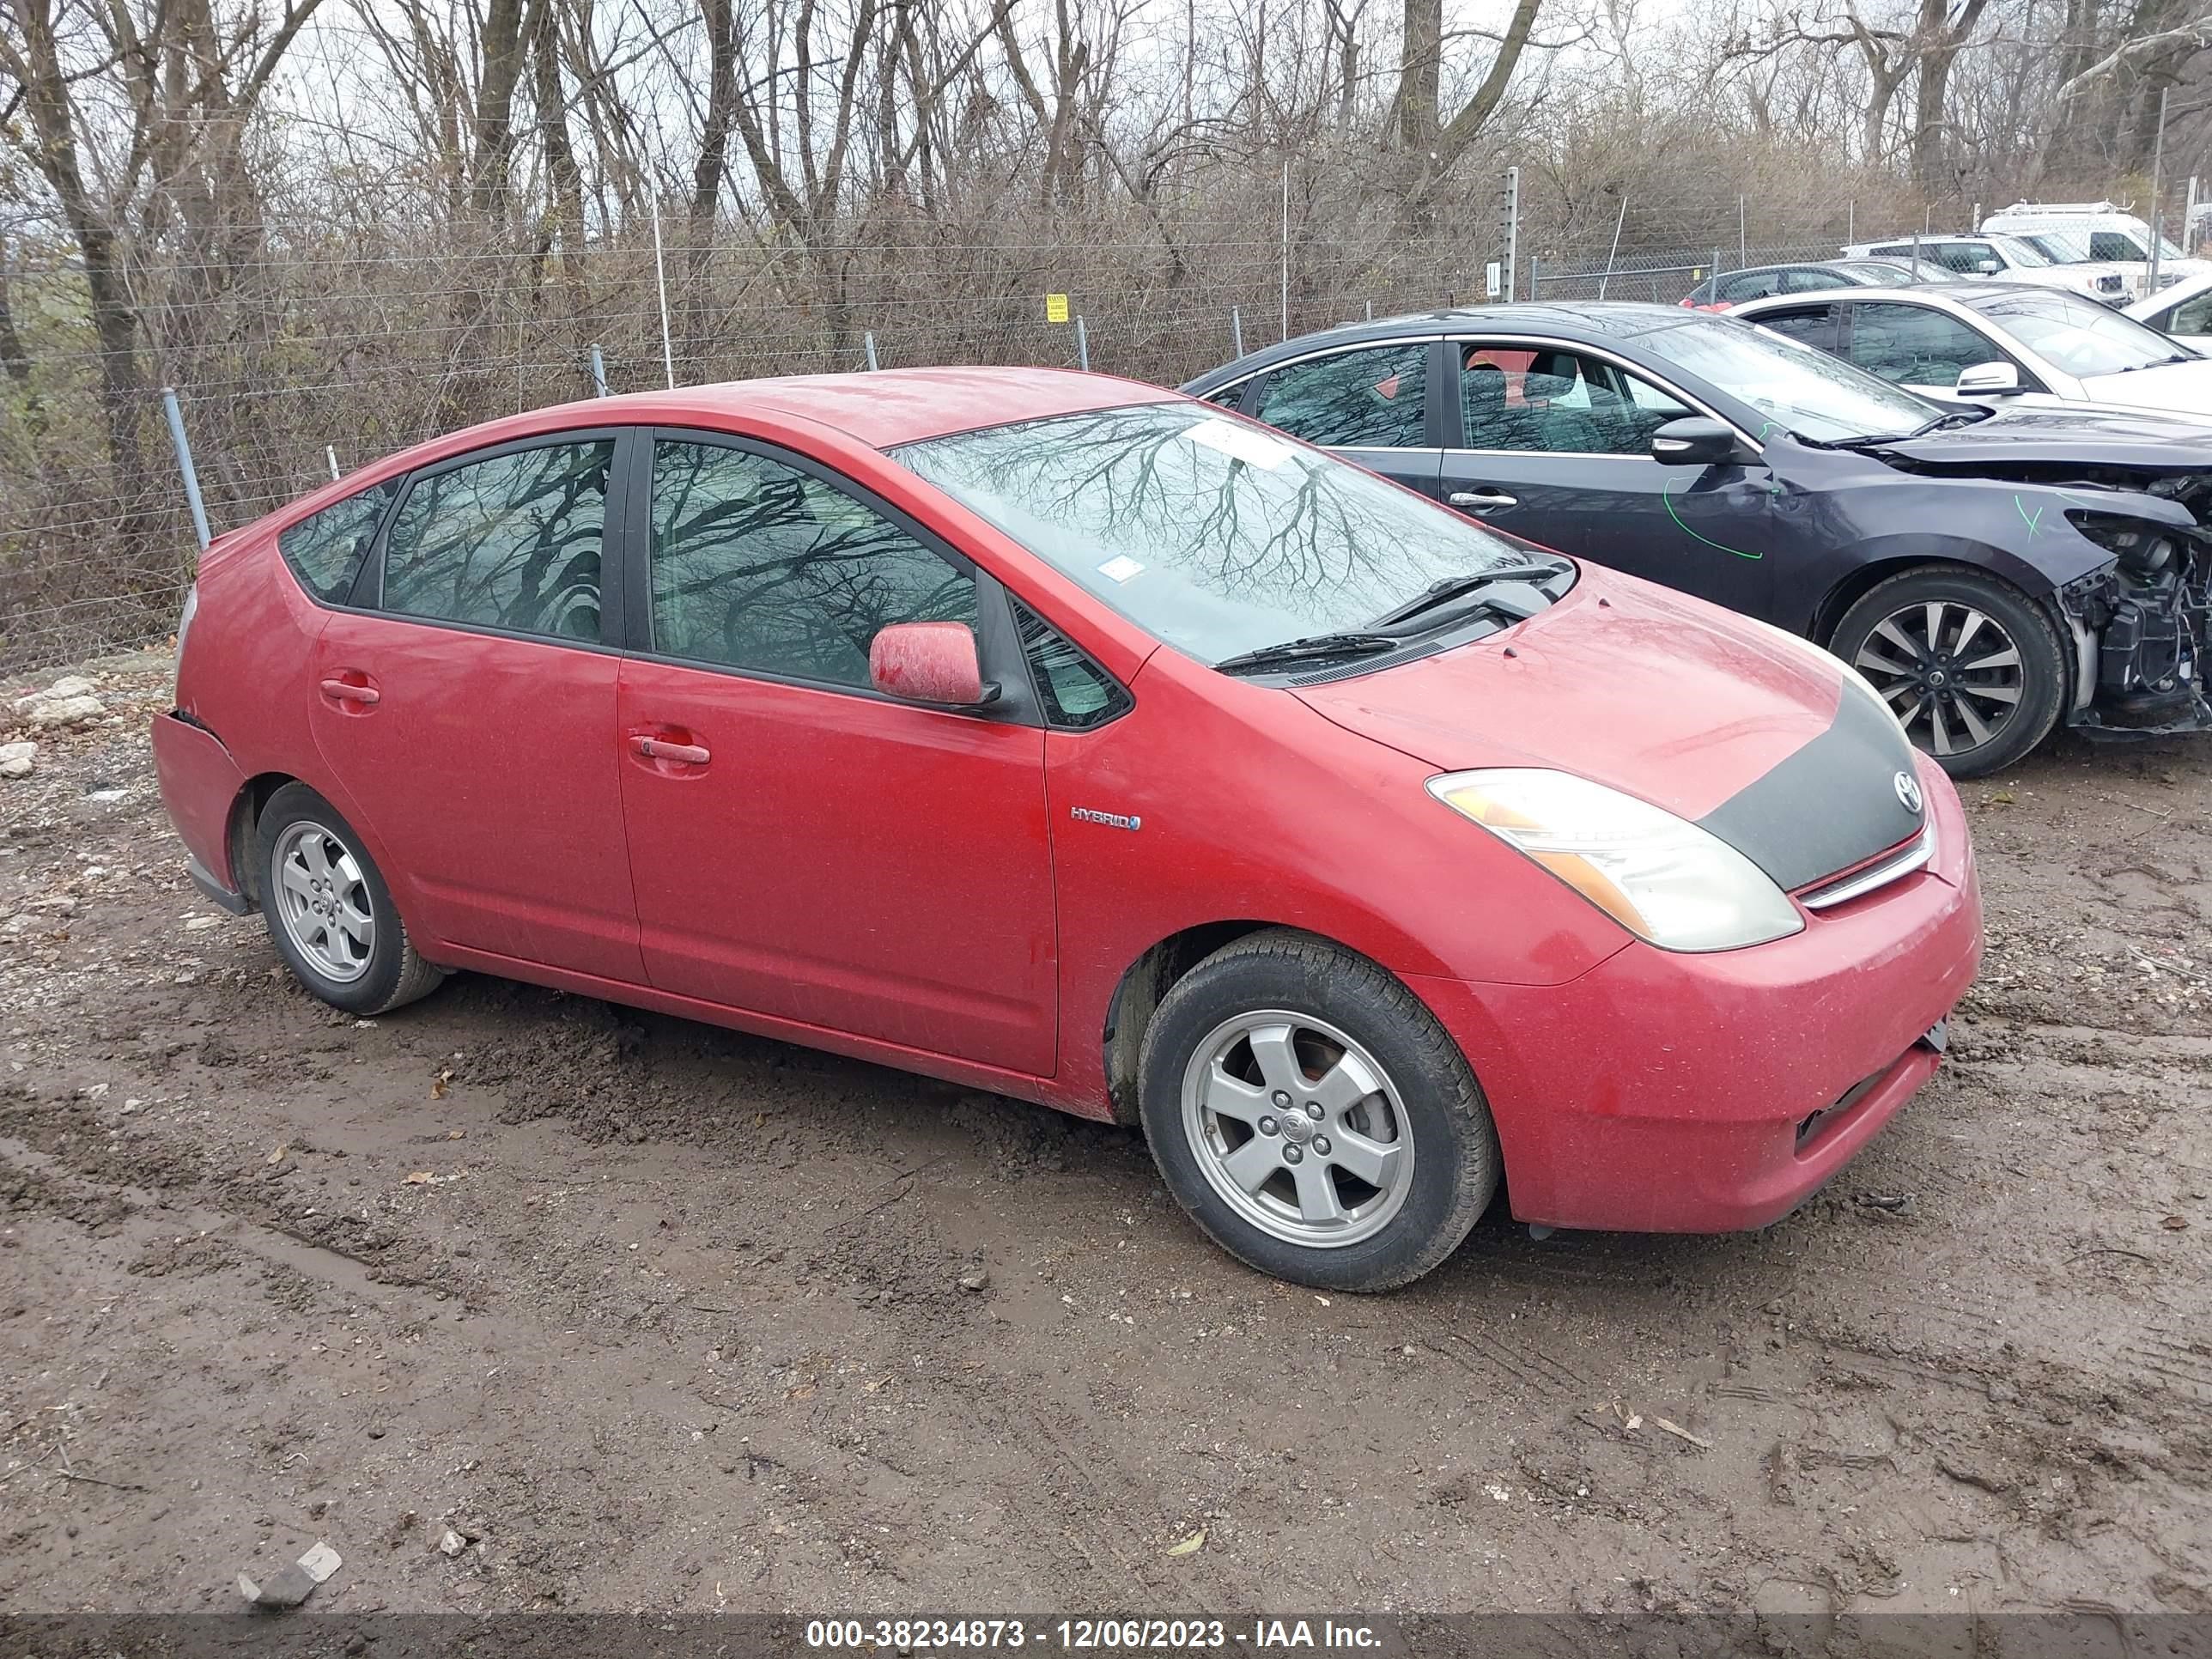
1717,718
2107,433
2185,387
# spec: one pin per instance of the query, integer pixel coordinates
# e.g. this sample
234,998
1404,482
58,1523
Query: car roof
1586,321
885,407
878,409
1923,294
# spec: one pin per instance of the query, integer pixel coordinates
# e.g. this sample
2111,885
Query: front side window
1373,398
1558,402
757,565
1912,345
512,543
1203,531
327,549
2192,316
1077,692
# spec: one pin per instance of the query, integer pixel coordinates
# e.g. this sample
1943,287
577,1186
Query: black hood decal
1835,802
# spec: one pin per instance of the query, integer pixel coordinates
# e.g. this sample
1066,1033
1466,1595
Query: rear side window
2115,245
325,551
757,565
1077,692
1370,399
512,543
1757,286
1812,325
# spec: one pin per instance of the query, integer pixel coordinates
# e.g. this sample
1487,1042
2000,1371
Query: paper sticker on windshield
1241,442
1120,569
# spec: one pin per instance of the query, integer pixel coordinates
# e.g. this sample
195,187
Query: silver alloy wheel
1949,670
323,901
1299,1129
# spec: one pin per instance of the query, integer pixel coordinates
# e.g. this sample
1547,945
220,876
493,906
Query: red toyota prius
1077,740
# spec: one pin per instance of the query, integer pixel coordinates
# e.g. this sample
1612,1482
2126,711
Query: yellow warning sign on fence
1055,307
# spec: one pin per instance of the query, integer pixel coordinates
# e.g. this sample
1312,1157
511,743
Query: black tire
1941,697
1431,1093
390,972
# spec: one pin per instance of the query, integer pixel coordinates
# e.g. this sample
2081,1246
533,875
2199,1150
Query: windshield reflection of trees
1136,480
760,566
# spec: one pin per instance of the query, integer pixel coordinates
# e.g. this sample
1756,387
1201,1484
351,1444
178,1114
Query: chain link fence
322,350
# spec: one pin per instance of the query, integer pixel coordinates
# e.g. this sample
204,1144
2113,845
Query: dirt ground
655,1316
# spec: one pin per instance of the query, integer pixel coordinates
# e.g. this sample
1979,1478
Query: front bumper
1662,1092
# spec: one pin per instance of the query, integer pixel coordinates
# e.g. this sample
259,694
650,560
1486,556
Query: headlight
2141,548
1659,876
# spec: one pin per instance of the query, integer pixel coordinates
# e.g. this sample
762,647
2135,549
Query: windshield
1207,532
1813,394
2021,250
2073,332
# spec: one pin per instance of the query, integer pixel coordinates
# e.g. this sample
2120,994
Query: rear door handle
347,691
660,748
1480,499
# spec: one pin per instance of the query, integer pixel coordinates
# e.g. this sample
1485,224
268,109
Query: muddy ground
653,1316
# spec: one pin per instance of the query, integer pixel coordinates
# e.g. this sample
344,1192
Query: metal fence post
868,345
1236,330
330,454
660,281
184,464
598,373
1082,345
1370,311
1512,229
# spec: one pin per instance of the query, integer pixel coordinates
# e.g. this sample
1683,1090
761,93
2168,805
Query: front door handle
340,691
1480,499
690,754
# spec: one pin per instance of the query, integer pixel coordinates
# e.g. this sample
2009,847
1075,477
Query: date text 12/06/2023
1259,1636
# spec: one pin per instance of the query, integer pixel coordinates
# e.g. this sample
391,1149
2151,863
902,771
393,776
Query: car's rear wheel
328,912
1313,1116
1971,665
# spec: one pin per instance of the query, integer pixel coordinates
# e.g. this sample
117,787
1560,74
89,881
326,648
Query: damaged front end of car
2141,623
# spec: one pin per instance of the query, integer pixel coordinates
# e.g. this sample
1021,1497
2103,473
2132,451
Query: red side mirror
928,662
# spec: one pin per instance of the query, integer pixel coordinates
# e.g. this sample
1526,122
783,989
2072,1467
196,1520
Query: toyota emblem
1908,791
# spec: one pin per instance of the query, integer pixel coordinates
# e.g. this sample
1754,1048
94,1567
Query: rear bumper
200,783
1662,1092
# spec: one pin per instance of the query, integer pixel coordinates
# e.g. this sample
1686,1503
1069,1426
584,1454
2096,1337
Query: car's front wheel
328,912
1971,665
1313,1116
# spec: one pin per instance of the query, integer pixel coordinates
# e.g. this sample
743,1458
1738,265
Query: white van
2077,232
2004,258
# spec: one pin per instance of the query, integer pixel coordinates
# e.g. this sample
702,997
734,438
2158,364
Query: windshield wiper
1443,593
1314,647
1950,418
2158,362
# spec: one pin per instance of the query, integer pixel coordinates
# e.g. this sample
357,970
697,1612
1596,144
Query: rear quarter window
326,549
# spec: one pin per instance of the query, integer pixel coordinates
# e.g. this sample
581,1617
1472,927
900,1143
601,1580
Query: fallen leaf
2002,797
1682,1433
2174,1224
438,1084
1634,1423
878,1385
804,1391
457,1134
1189,1545
1322,1300
277,1156
420,1178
